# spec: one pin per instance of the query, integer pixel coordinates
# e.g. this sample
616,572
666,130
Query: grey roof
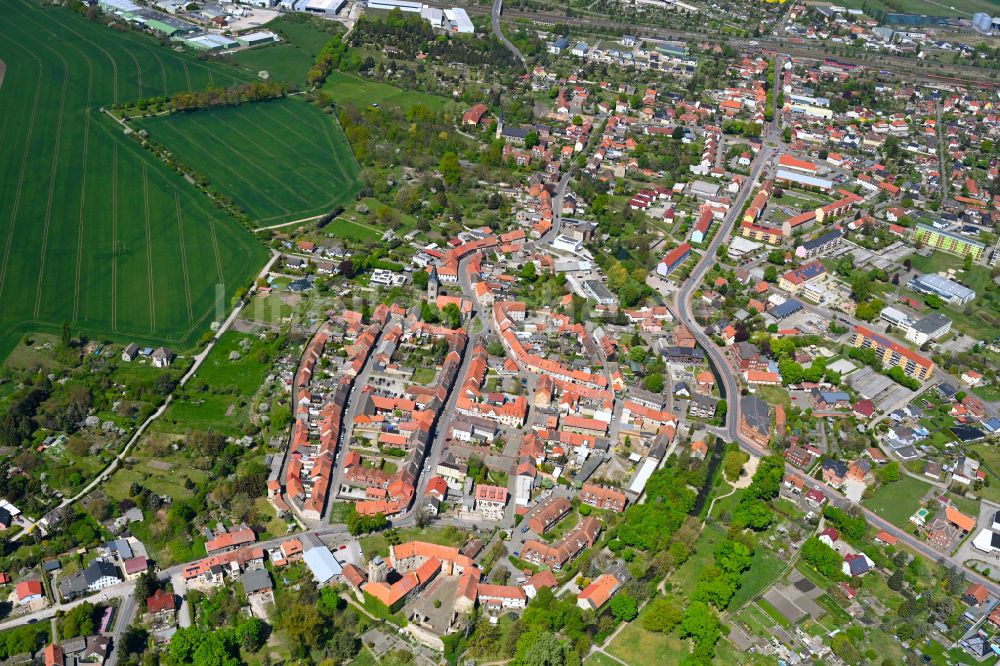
98,569
931,323
838,466
858,566
942,286
70,586
756,412
321,563
786,309
820,241
255,580
122,547
74,645
704,401
514,131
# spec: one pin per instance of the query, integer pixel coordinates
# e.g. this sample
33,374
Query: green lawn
775,395
352,90
765,567
280,160
378,544
355,231
988,393
896,502
635,645
246,373
94,230
686,576
597,659
302,39
423,376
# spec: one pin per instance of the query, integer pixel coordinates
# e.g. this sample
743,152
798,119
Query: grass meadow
351,90
302,39
280,160
94,231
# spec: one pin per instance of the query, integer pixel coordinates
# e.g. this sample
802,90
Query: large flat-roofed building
459,21
324,6
931,327
938,285
948,242
401,5
805,180
893,354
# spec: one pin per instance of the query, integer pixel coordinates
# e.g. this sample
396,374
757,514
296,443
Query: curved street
495,17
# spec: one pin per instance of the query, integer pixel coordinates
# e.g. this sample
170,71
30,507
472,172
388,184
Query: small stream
713,463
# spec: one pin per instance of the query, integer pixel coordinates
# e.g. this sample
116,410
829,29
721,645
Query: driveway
853,490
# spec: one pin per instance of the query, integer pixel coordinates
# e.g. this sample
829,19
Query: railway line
902,68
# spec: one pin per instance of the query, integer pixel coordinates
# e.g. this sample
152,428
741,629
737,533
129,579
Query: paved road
731,389
497,9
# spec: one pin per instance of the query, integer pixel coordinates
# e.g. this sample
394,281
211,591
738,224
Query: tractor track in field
253,186
114,237
149,248
114,63
265,151
218,257
184,269
20,180
52,185
333,151
83,189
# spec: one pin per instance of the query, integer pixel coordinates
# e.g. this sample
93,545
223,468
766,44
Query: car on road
33,620
523,530
343,547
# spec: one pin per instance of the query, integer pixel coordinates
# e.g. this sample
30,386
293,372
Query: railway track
900,67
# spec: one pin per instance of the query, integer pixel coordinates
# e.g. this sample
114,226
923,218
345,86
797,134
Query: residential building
948,241
602,497
547,513
755,420
558,554
673,259
598,593
490,501
893,354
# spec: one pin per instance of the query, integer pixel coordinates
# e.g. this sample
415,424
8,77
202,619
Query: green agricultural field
279,161
352,90
94,231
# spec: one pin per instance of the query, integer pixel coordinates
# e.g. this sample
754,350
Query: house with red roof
28,591
161,602
598,593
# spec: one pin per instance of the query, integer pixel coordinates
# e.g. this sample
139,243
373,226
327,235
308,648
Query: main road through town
682,310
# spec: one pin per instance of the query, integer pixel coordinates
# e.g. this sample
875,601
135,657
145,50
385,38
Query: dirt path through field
3,70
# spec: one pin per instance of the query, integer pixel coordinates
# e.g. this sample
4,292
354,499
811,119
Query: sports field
280,160
93,230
